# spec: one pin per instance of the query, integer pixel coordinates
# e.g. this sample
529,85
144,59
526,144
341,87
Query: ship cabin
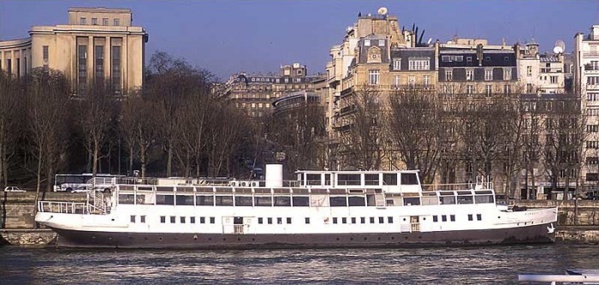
406,181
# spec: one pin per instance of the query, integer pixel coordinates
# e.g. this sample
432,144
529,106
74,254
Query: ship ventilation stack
274,175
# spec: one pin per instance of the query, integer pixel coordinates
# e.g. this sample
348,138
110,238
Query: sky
227,37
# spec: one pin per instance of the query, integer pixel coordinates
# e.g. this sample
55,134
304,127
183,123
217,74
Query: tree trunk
169,160
38,183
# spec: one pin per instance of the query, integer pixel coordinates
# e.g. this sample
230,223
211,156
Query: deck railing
63,207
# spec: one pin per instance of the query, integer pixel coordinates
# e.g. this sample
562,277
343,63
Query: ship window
313,179
390,220
390,178
133,219
371,179
448,200
203,200
411,201
165,199
260,220
301,201
409,179
282,201
381,220
344,220
307,220
484,199
338,201
186,200
479,217
348,179
288,221
327,179
126,199
192,220
202,220
465,199
356,201
182,219
353,220
173,219
243,200
212,220
452,218
435,219
224,200
470,217
334,220
162,219
444,218
269,220
362,220
263,201
372,220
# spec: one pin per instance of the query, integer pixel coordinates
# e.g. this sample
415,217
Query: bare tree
417,128
11,118
226,134
97,113
47,94
532,148
362,137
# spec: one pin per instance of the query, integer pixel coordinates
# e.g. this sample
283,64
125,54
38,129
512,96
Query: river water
469,265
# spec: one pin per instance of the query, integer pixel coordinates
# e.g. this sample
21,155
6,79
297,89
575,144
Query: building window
469,75
105,22
488,74
507,74
94,21
45,53
82,21
529,87
116,69
116,22
529,71
553,79
448,75
412,81
82,68
592,96
396,81
593,80
373,76
99,53
397,64
469,89
419,64
488,90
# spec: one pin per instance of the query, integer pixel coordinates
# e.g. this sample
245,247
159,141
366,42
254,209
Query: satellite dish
558,49
382,11
560,46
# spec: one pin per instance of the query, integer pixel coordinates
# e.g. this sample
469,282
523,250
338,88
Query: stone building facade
97,44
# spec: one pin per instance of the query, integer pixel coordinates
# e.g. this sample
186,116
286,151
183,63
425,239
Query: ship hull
96,239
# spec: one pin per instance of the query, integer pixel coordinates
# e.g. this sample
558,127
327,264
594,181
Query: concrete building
256,92
97,44
545,73
586,83
471,66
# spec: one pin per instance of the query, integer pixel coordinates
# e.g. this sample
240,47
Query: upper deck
406,181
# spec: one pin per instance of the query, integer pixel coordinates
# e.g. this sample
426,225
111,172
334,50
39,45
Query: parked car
13,189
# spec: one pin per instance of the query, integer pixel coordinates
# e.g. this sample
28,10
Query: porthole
406,237
145,238
392,238
238,239
130,238
365,238
93,237
379,238
337,238
160,238
224,239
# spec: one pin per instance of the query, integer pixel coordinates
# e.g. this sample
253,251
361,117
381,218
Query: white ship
319,209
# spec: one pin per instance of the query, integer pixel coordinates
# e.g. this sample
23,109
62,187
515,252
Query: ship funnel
274,175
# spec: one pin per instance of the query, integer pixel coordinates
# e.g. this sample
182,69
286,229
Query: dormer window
367,43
